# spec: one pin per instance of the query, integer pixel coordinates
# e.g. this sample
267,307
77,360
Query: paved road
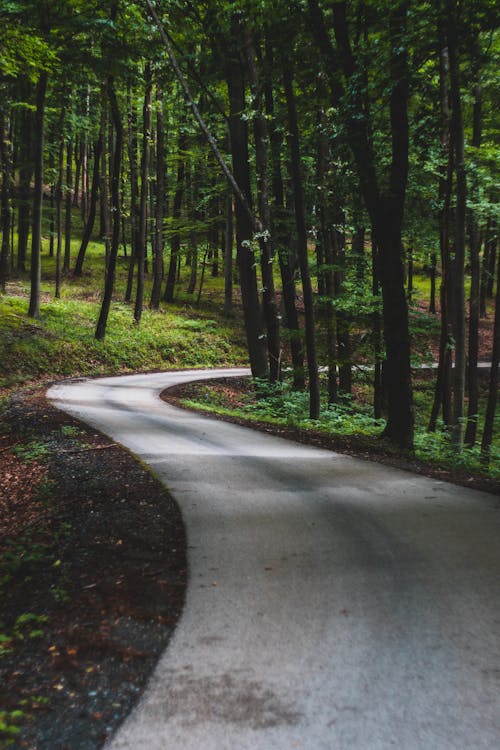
332,604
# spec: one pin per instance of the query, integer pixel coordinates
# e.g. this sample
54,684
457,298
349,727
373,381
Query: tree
385,204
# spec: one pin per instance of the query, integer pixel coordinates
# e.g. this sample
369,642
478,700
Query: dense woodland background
322,174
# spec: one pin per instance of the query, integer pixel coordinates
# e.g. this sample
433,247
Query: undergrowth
279,404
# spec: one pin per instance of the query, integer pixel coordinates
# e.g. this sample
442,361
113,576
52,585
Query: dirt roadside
92,578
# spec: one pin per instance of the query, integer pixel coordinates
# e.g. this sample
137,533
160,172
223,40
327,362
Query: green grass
62,343
280,405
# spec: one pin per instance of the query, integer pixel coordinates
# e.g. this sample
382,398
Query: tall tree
385,204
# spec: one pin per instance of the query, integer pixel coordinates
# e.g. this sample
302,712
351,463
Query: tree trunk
25,175
442,393
175,244
458,263
94,195
160,204
386,210
379,395
69,201
244,223
194,217
475,281
6,197
143,215
493,387
266,248
59,202
115,210
228,257
134,191
280,227
312,365
36,235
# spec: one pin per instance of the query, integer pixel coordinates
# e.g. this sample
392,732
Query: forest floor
92,578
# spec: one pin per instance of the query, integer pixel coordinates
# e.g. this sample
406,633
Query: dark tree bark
385,208
194,215
134,191
442,393
25,174
105,217
312,364
94,195
160,203
266,248
325,253
489,420
59,202
5,197
379,396
175,244
244,217
280,228
475,281
228,257
143,207
68,204
458,262
115,205
36,234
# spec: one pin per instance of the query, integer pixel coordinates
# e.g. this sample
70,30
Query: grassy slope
62,342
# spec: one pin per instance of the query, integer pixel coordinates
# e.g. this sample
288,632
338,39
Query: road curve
332,603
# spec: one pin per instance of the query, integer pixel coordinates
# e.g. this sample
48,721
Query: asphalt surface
333,603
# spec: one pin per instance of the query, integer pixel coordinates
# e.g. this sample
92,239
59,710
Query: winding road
332,604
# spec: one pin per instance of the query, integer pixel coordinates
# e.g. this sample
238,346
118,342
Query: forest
313,182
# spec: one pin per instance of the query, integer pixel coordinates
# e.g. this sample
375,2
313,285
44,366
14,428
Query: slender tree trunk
6,197
228,257
266,248
442,392
458,263
489,421
36,235
115,206
94,195
175,244
134,192
194,216
59,202
79,150
325,253
69,201
25,175
280,227
105,218
143,216
160,202
312,365
379,397
244,221
475,281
